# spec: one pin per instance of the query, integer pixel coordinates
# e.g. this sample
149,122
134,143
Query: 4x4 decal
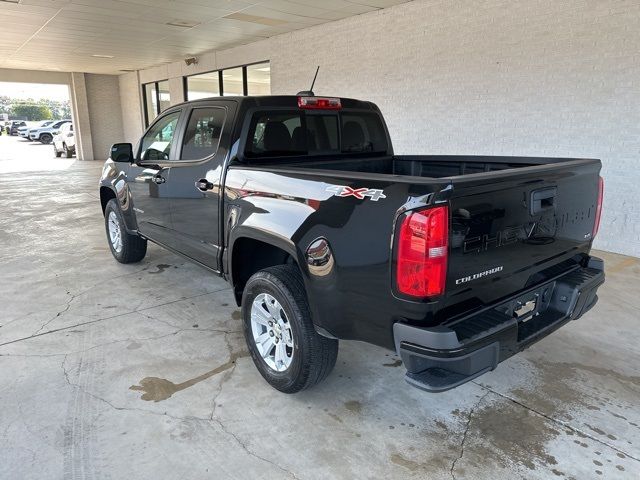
360,193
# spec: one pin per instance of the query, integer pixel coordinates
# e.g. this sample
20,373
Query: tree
31,111
5,104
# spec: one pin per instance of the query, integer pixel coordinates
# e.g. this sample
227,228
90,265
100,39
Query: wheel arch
106,194
249,255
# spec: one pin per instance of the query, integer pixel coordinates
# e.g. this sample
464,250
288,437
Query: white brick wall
492,77
105,114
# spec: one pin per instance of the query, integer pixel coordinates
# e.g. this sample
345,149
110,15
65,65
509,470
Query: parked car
45,134
65,141
24,131
454,262
13,127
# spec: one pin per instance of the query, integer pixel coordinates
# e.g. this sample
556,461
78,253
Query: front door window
156,144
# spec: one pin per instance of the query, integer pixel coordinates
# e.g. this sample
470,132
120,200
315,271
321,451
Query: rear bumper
444,357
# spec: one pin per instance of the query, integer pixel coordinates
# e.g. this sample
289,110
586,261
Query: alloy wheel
272,332
115,234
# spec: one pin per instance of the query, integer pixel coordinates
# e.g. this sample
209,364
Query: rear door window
362,132
275,134
203,132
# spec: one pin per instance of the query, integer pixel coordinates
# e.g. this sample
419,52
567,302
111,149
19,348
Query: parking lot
20,155
141,371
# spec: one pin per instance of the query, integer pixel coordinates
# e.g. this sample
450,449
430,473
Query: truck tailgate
515,228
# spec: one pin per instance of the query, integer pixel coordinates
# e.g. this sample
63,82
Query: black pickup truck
455,262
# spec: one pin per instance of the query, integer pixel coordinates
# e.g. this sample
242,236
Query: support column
80,107
176,90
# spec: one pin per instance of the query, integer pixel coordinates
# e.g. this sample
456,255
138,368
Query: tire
67,153
56,152
130,248
312,356
46,138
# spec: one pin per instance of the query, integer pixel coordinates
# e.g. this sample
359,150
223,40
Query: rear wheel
46,138
125,248
288,352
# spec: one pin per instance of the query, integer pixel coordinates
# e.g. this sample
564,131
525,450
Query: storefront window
151,101
259,79
232,82
252,79
203,86
156,99
164,95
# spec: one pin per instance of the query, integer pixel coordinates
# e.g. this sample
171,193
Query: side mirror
122,152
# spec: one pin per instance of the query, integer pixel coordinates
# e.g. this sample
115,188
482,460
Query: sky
34,90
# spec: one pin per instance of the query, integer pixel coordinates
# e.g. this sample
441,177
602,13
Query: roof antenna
309,93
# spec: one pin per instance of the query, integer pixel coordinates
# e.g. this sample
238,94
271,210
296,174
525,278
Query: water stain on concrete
236,315
354,406
161,268
335,417
556,396
158,389
599,431
397,363
440,424
618,416
524,445
405,462
623,265
133,346
604,372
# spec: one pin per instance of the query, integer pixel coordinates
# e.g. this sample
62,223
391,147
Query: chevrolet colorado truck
324,234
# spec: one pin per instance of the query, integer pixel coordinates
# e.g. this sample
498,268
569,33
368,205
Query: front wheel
46,138
56,152
125,248
67,153
283,343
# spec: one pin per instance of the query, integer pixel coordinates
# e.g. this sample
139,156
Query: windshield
289,133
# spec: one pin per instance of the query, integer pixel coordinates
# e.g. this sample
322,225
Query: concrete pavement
140,371
20,155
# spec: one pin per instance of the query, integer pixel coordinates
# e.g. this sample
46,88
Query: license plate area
526,309
530,304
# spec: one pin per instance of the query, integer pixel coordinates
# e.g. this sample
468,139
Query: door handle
543,200
203,185
158,179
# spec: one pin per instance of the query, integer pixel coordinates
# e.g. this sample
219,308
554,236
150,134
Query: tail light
423,241
596,226
319,103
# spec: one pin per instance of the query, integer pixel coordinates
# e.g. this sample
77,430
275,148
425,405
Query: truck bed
432,166
513,222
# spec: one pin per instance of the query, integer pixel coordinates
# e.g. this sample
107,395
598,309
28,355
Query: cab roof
281,101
